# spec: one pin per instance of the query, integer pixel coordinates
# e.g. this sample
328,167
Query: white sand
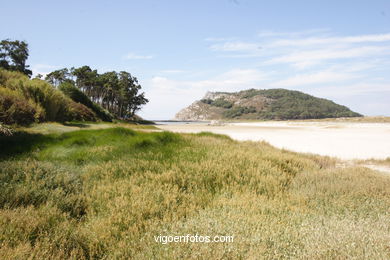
340,139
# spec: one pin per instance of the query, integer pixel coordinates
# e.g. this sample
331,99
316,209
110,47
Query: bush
250,93
79,112
78,96
15,109
220,102
289,104
6,75
25,101
53,102
238,111
207,101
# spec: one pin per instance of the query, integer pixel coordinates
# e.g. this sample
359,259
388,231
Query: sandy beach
344,140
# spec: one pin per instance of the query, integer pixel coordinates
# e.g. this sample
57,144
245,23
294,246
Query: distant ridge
268,104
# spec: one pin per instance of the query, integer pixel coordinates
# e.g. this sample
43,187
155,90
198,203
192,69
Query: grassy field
58,128
106,193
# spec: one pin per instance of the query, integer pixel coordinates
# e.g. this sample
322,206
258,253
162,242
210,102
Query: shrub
238,111
53,102
289,104
283,104
250,93
15,109
79,112
207,101
78,96
6,75
25,101
219,102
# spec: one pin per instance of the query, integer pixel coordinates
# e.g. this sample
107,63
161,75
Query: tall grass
105,194
24,101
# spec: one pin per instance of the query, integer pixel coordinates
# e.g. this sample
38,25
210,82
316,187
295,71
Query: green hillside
269,104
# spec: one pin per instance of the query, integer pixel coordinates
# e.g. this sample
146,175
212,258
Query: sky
180,49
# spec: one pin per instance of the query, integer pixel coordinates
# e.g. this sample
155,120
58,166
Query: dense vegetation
238,111
78,96
281,104
24,101
105,194
220,102
116,92
89,96
289,104
13,56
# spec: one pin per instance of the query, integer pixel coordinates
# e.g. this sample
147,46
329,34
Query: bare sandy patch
345,140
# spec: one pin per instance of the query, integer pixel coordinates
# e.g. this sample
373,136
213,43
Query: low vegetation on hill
267,104
76,94
24,101
117,92
106,194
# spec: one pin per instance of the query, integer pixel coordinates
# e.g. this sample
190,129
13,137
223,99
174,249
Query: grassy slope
106,193
57,128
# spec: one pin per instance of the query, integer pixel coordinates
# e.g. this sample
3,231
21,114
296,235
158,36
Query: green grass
59,128
105,194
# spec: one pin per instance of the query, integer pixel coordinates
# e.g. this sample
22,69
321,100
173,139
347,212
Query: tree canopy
118,92
274,104
13,56
107,96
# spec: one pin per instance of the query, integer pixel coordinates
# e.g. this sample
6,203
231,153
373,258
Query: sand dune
340,139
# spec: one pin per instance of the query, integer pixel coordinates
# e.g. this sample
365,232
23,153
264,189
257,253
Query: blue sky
179,50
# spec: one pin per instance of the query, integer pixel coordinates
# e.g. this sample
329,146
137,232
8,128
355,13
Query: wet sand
344,140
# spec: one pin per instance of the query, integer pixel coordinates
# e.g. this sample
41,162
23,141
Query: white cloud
343,68
333,40
232,80
133,56
306,58
218,39
352,89
168,96
229,81
235,46
43,69
366,98
172,71
306,49
292,34
320,77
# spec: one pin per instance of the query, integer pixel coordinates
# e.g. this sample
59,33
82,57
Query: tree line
13,56
117,92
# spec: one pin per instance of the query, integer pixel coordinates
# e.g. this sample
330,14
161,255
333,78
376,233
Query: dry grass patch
105,194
